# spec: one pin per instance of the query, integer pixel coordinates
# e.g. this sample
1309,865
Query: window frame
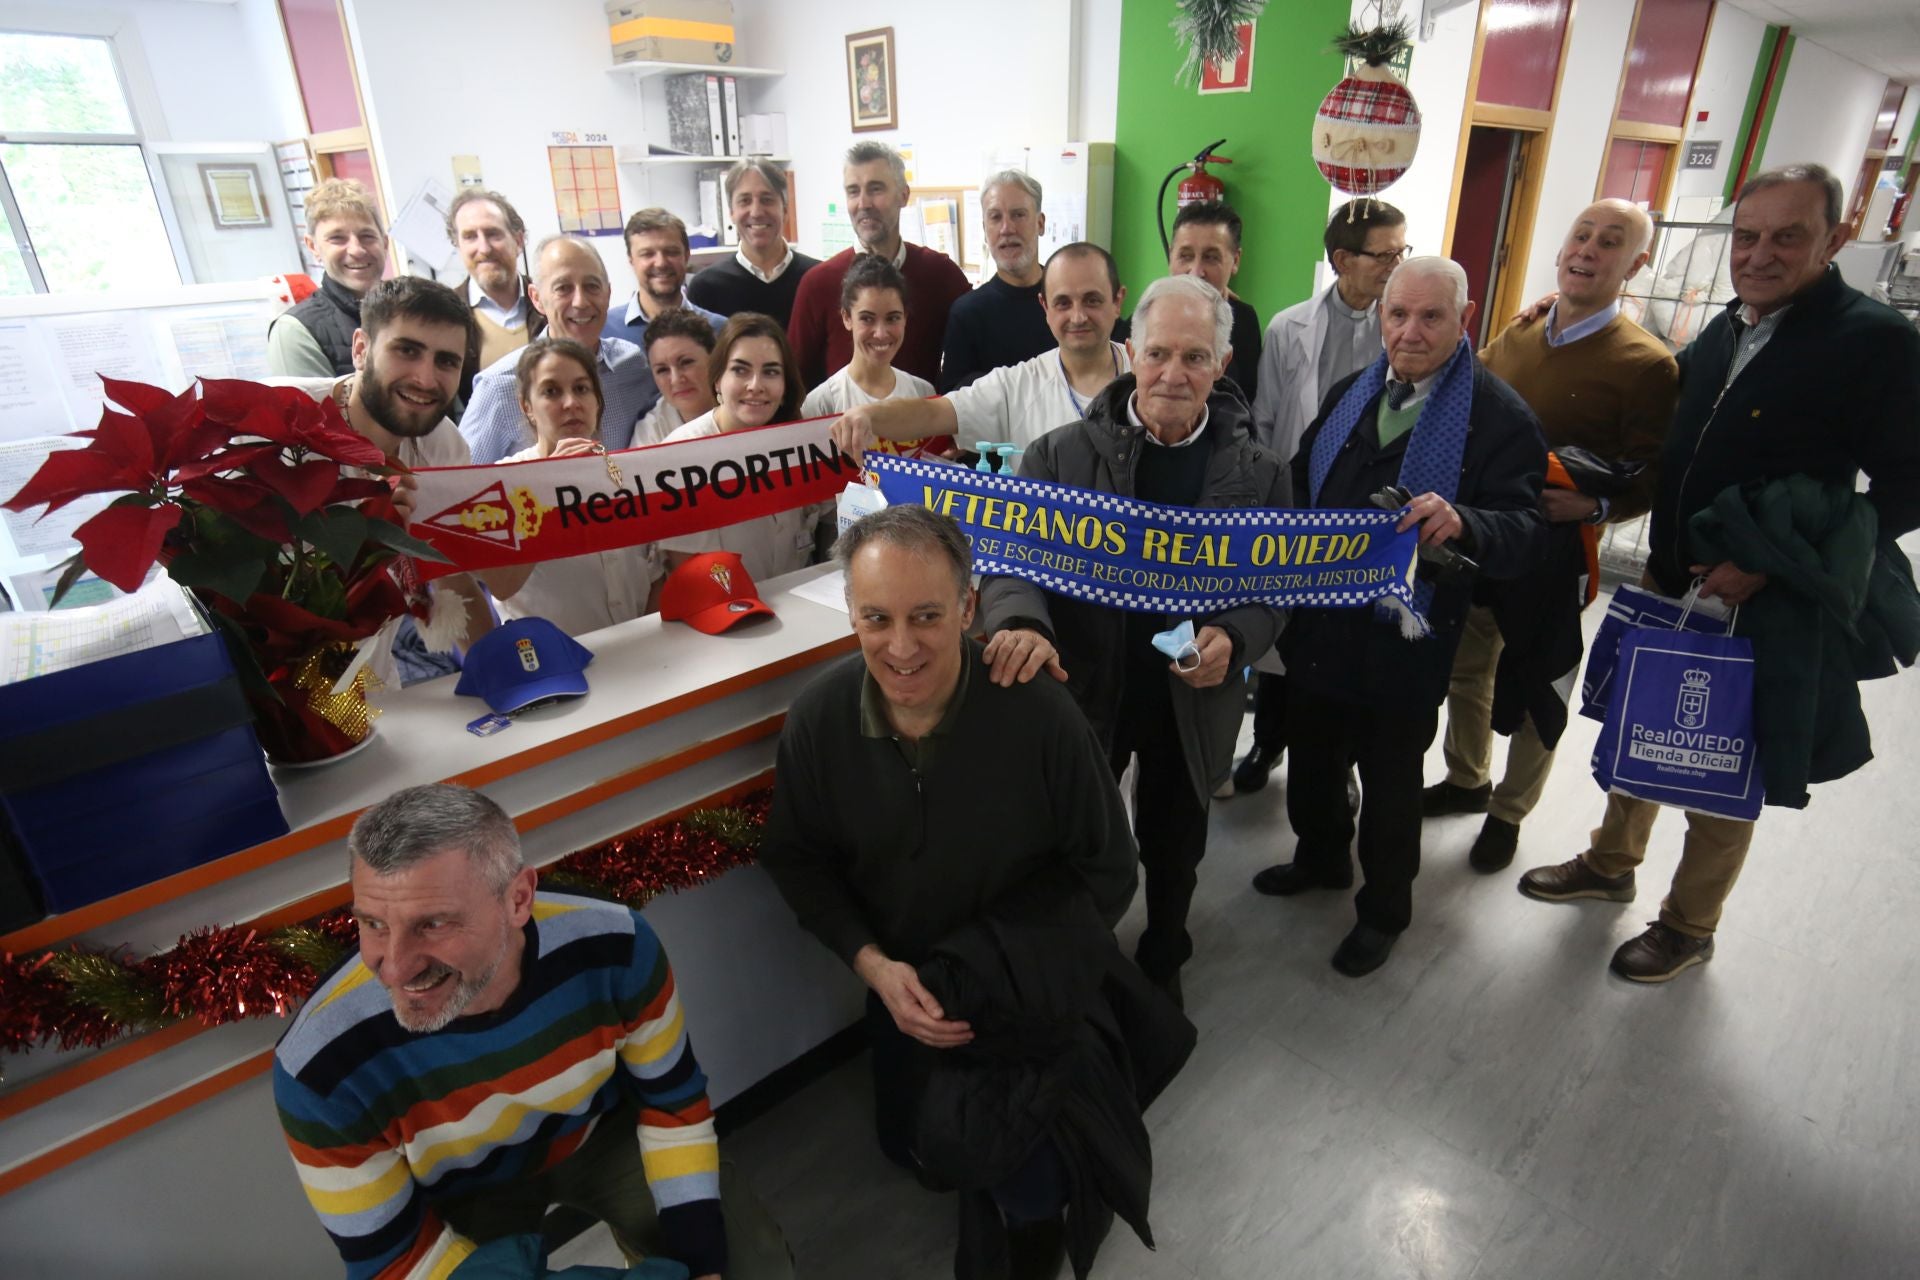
135,99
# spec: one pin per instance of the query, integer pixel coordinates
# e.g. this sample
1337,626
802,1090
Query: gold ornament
315,675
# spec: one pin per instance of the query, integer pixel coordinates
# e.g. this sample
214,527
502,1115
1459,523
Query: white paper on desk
38,644
23,536
220,342
829,589
118,344
30,403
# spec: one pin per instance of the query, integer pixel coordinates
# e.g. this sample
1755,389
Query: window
78,210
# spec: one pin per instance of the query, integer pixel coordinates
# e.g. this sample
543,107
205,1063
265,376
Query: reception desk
161,1155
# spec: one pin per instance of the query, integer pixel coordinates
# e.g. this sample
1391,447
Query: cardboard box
698,31
124,771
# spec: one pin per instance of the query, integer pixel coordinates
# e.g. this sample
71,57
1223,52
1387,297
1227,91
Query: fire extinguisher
1200,186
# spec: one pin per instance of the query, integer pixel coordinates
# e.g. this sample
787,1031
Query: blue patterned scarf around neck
1431,463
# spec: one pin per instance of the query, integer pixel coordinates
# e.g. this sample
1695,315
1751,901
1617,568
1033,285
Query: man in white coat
1309,347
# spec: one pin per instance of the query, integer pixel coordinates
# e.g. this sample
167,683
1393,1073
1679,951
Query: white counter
673,718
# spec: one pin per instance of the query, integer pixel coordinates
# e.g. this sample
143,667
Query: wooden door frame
1636,131
1524,207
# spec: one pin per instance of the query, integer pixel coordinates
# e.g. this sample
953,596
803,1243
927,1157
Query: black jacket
1354,655
867,848
1835,391
1071,1043
330,313
1103,453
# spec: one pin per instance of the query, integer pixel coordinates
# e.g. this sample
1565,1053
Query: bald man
1599,382
572,290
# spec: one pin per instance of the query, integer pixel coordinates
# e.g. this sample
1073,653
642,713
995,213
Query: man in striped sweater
493,1050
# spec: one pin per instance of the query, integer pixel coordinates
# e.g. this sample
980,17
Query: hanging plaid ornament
1367,129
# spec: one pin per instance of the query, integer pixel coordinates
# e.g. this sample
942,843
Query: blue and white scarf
1431,463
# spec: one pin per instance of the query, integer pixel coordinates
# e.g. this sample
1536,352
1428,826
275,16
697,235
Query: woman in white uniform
560,394
873,307
757,384
679,347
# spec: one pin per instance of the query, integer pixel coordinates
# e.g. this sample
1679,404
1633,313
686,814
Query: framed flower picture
873,88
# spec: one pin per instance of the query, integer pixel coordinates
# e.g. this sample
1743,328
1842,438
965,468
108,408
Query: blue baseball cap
522,662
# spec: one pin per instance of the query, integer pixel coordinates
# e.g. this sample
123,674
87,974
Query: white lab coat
1290,390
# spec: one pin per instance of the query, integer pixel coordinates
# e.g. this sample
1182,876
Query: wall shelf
634,155
647,70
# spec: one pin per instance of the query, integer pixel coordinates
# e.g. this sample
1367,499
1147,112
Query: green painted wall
1272,181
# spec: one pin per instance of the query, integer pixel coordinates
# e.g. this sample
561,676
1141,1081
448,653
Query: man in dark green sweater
912,792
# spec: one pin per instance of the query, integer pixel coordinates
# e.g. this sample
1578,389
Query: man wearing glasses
1310,346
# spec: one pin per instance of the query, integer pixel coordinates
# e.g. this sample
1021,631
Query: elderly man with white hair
1430,419
1160,433
1004,321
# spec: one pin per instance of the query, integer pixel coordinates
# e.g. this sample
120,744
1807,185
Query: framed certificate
234,196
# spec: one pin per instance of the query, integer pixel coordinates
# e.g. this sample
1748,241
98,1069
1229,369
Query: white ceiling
1881,34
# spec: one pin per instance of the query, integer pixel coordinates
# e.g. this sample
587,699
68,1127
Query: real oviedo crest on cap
523,662
710,592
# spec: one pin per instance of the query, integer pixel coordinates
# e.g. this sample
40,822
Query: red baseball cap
710,593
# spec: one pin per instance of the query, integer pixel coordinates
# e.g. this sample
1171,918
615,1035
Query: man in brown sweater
1599,382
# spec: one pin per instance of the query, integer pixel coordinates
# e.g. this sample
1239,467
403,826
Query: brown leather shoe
1573,879
1661,954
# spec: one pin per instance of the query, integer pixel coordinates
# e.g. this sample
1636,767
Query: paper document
829,589
38,644
224,343
23,534
116,343
30,403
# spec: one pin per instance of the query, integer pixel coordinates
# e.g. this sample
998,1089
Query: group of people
495,1047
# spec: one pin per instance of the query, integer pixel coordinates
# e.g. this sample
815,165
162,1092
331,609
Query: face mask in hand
1178,644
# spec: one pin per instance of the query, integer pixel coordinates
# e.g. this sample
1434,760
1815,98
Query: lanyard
1080,410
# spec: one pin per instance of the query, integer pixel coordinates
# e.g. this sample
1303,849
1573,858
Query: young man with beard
491,238
875,178
491,999
657,250
765,273
407,356
570,289
1004,321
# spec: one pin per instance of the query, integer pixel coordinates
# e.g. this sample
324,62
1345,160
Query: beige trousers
1710,861
1468,746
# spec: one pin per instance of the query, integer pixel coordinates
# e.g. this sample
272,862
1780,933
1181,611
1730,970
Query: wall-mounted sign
1235,74
1702,155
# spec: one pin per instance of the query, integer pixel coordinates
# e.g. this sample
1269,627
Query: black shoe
1251,775
1493,848
1443,798
1289,878
1363,950
1353,792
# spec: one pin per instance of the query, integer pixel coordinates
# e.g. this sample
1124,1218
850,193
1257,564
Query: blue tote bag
1679,727
1632,607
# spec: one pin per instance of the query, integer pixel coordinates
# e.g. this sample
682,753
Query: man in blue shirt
570,289
657,249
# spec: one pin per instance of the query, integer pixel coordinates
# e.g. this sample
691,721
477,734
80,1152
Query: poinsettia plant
242,492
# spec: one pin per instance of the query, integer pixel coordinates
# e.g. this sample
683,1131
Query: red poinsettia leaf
68,474
127,441
305,487
122,542
234,459
249,503
136,397
352,489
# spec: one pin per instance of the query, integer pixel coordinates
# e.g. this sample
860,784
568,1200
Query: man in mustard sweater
1599,382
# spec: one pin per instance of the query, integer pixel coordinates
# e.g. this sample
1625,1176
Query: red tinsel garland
88,998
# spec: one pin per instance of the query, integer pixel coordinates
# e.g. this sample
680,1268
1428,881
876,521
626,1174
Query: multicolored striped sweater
384,1123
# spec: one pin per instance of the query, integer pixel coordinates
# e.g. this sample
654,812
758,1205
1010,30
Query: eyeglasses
1387,257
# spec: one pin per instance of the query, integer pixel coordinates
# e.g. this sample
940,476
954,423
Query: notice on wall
117,344
586,190
30,402
23,535
227,342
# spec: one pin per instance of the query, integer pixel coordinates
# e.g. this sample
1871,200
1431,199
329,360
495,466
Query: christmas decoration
1367,130
1209,30
248,496
85,999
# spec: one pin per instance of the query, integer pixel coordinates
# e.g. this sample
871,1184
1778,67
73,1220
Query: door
1491,183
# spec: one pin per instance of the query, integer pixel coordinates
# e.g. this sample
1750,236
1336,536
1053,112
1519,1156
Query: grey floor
1493,1103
